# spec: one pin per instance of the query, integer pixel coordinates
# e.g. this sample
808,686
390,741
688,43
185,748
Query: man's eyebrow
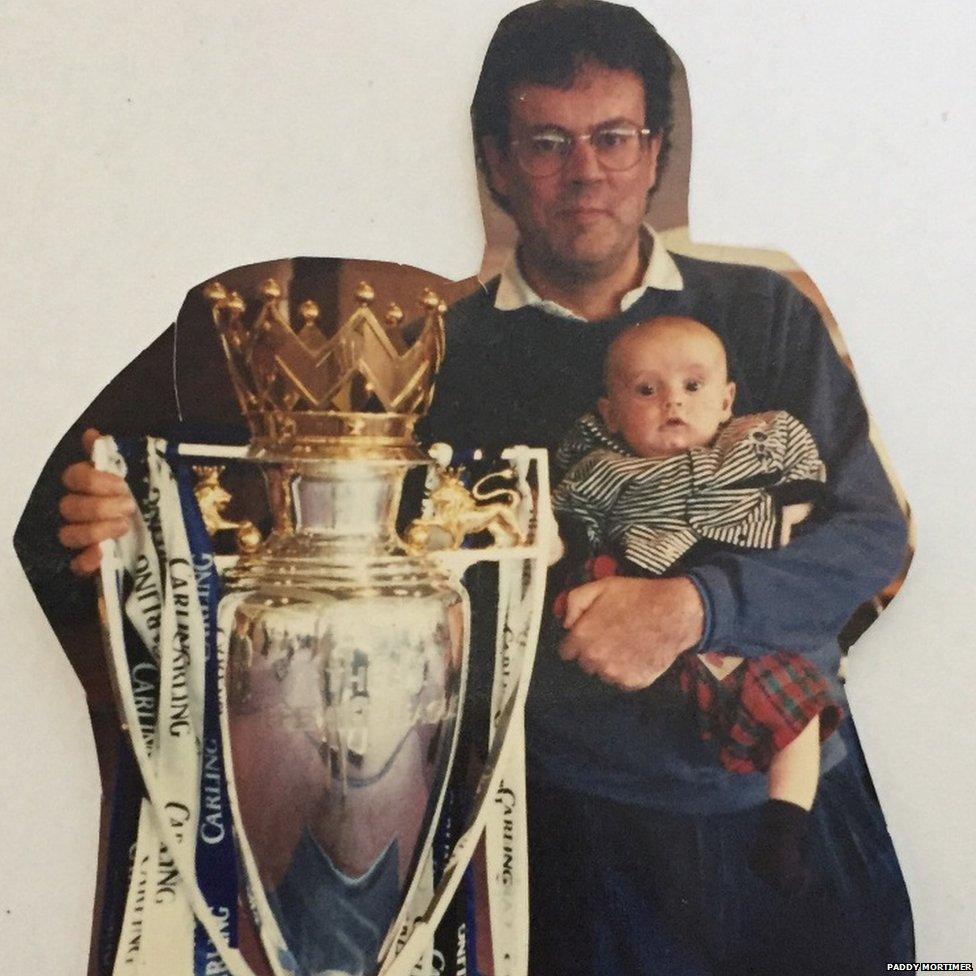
605,124
617,120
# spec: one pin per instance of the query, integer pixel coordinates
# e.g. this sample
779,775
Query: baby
665,467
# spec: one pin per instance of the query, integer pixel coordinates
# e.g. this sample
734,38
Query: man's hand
98,506
628,631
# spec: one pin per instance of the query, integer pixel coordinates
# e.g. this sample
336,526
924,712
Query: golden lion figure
459,512
212,499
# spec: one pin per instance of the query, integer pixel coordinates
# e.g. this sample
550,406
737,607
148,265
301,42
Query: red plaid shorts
758,708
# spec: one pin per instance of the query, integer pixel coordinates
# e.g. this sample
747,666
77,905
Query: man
638,839
638,842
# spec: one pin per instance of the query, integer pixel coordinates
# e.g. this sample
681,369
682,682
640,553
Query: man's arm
73,507
628,631
800,596
177,387
797,597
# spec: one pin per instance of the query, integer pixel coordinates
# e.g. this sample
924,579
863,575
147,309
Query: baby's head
667,386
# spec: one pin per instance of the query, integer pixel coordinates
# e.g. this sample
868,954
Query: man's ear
653,151
728,400
498,166
606,412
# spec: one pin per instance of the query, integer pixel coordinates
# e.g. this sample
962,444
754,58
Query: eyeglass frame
643,134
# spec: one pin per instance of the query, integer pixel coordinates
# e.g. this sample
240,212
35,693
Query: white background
146,147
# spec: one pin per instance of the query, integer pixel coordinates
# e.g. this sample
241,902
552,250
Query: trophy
297,741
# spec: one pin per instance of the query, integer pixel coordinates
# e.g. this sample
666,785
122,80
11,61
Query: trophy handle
525,543
454,511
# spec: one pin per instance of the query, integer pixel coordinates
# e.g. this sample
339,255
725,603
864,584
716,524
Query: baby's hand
547,521
792,515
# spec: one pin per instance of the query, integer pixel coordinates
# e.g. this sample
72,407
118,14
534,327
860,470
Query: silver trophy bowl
345,674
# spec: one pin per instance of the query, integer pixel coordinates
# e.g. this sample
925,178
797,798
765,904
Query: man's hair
549,42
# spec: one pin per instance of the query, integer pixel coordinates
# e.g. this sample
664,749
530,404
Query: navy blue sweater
524,376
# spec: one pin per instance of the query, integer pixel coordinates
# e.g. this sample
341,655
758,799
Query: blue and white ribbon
176,735
216,862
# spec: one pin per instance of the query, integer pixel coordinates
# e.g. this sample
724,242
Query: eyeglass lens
544,153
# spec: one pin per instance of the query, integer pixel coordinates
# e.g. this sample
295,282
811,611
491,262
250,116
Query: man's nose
583,165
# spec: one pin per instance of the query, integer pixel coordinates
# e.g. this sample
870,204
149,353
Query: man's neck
594,294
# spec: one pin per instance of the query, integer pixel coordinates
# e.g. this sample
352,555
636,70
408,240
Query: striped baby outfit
649,512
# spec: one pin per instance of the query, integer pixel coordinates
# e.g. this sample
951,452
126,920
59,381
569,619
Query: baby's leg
721,665
779,855
795,769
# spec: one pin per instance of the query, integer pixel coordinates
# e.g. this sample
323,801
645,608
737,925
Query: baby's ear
606,412
728,400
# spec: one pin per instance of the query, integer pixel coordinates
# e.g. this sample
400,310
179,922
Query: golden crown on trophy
305,394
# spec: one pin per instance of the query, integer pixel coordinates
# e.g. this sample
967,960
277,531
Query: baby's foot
779,854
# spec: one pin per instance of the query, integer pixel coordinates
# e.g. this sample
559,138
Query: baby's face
668,388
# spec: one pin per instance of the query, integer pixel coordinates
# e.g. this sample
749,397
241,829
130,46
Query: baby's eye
693,386
645,389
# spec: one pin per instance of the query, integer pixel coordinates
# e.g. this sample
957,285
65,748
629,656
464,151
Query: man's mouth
578,207
584,214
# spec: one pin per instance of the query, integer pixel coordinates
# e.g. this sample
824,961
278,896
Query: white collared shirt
515,292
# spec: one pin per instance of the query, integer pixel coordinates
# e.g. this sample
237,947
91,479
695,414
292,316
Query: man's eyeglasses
545,151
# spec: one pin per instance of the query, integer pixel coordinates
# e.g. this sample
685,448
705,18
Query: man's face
582,221
668,389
